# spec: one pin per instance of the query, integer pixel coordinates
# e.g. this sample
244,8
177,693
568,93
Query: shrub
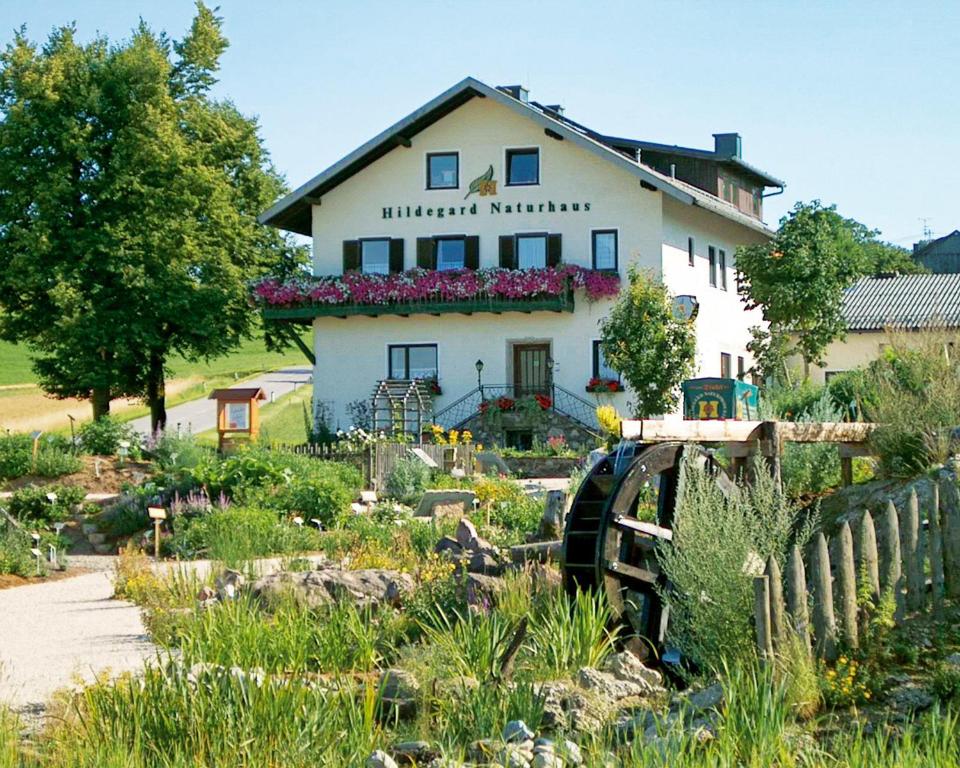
715,538
15,557
43,504
173,452
124,518
917,404
104,435
946,683
239,534
408,480
812,467
16,455
54,461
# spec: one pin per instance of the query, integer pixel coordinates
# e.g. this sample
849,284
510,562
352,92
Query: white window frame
363,240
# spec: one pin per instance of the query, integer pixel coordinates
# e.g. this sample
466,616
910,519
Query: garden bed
542,466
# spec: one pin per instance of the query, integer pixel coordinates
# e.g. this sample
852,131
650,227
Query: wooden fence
817,600
376,461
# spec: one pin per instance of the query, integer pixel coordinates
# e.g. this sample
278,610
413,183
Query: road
200,415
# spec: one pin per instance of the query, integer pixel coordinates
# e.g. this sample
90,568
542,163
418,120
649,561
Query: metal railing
563,401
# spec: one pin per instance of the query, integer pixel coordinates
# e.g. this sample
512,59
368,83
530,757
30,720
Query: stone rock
89,528
517,731
952,660
710,697
327,585
466,535
572,753
606,685
491,463
553,518
514,758
448,545
537,552
228,584
399,689
546,760
626,666
447,498
909,698
483,750
567,708
380,759
482,590
484,563
97,538
413,752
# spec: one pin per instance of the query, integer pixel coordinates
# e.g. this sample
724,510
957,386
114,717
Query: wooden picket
892,561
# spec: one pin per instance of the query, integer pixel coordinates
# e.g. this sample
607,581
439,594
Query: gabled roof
293,212
903,302
931,244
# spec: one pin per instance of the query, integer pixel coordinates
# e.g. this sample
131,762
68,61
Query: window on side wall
741,367
375,256
725,365
600,368
712,259
690,252
412,361
723,269
443,170
531,251
523,167
604,247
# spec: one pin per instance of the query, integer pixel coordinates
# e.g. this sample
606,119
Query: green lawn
280,421
251,357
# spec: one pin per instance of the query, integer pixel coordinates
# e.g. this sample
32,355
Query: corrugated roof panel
903,302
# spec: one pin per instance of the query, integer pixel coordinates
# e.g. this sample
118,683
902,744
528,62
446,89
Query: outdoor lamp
479,367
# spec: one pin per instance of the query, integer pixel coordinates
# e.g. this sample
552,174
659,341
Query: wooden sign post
158,515
238,413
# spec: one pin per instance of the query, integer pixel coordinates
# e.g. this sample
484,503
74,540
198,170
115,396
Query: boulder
228,584
413,752
517,731
448,545
461,500
327,585
399,690
491,464
609,687
484,563
482,590
380,759
466,535
554,516
626,666
707,698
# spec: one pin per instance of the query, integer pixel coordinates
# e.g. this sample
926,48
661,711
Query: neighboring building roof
941,255
903,302
293,211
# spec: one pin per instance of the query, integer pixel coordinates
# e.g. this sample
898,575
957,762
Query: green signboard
705,399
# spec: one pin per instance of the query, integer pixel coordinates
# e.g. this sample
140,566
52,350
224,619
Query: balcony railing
420,291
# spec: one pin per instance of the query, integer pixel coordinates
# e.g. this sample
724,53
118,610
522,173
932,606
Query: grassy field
280,421
24,406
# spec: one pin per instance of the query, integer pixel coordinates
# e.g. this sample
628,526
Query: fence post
869,559
912,555
824,623
950,527
936,550
797,596
776,599
761,606
847,585
891,564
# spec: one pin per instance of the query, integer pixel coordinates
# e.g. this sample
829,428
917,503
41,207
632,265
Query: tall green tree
798,278
644,340
128,203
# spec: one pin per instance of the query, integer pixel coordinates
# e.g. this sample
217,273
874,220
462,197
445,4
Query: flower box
604,385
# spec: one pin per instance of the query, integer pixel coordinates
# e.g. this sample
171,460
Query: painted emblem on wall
483,184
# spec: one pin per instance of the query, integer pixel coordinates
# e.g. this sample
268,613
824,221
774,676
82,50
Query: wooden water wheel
623,511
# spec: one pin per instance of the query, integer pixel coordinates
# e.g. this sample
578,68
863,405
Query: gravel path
52,632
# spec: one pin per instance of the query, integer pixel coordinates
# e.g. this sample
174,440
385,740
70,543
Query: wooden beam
403,141
308,353
682,430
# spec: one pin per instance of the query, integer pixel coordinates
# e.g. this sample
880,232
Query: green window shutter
554,250
508,253
351,255
471,252
396,254
426,254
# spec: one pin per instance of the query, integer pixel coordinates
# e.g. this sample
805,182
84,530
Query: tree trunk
156,394
100,398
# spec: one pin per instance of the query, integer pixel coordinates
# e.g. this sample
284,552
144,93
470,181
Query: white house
483,178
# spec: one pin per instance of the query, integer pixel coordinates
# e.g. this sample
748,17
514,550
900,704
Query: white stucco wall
723,322
352,353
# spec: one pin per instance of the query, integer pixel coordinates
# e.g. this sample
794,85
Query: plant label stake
158,515
35,435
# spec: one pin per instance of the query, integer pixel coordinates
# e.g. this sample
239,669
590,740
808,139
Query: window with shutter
554,250
508,258
396,254
426,259
531,251
375,256
471,259
351,255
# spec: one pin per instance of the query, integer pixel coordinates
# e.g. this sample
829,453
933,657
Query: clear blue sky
850,102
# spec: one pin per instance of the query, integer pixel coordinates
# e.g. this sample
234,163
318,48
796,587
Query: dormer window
443,170
531,251
523,167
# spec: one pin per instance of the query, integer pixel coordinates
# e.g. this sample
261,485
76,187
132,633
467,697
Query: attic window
523,167
443,170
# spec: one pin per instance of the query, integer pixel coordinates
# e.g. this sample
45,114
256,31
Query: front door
531,372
